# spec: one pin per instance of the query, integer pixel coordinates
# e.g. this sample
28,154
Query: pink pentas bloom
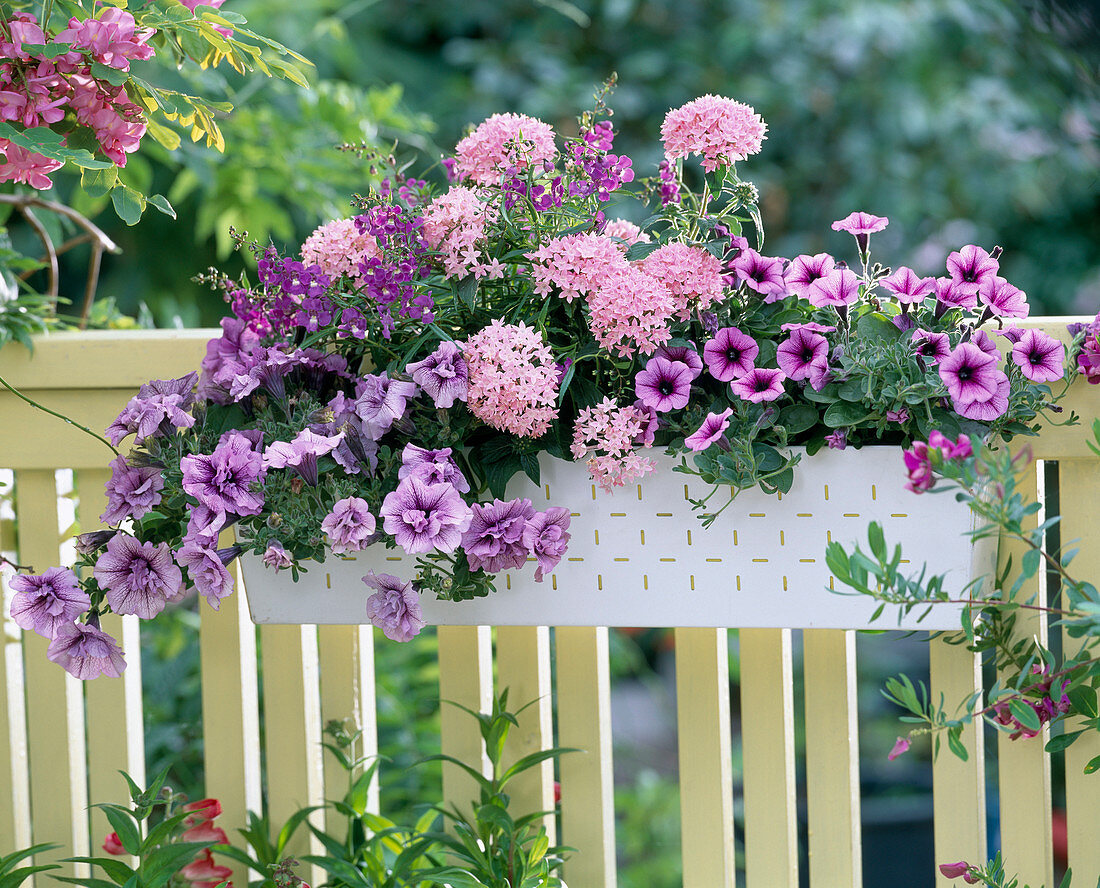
546,536
798,353
432,467
664,385
971,267
1002,299
626,231
394,607
301,454
224,480
276,557
685,354
44,603
503,142
630,311
934,346
425,517
759,384
349,525
839,288
900,747
730,354
691,275
969,374
907,287
606,436
805,269
992,408
443,375
1039,356
764,274
575,265
132,491
720,130
712,430
139,578
86,652
338,247
494,539
951,294
456,226
207,573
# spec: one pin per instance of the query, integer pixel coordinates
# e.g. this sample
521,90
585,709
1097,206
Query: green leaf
798,418
1083,699
129,204
113,76
48,50
1024,714
43,140
122,822
1093,765
529,462
845,413
877,540
1057,744
641,250
16,877
955,744
161,203
97,182
467,291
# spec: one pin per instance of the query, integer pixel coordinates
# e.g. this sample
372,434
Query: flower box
641,557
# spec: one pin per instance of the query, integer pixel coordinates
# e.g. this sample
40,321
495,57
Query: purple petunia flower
759,384
349,525
991,408
380,401
934,346
663,385
222,481
969,374
301,454
764,274
898,416
901,746
132,491
804,270
159,407
837,440
203,526
820,376
139,578
861,226
86,652
985,342
1002,299
838,289
907,288
685,354
798,354
951,294
812,326
423,517
970,267
650,421
443,375
224,359
432,467
710,431
1039,356
730,354
494,539
394,607
546,536
207,572
46,602
276,557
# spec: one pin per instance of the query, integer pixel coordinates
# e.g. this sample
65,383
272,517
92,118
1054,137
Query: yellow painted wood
1079,485
465,677
767,744
15,804
230,710
55,700
116,734
832,758
523,666
584,722
348,696
958,787
706,766
1023,767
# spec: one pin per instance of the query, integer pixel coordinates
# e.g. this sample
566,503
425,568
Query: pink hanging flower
710,431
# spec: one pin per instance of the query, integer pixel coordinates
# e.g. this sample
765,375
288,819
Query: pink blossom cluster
692,276
607,437
1088,360
338,247
504,144
38,91
513,379
1051,704
626,231
922,460
721,130
455,225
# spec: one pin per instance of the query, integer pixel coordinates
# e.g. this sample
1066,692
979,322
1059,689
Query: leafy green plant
12,875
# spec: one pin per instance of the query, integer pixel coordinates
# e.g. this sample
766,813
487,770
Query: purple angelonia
443,375
132,491
424,517
546,536
139,578
664,385
494,539
394,607
301,454
223,480
207,572
432,467
46,602
86,652
730,354
350,525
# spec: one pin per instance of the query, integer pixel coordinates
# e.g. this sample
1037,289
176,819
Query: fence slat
55,700
523,666
347,694
465,677
584,722
832,758
15,802
1023,766
958,787
767,744
230,710
1079,483
116,733
706,766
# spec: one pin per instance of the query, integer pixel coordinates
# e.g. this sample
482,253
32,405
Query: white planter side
640,557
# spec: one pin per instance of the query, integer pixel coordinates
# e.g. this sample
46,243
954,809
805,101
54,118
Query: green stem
71,422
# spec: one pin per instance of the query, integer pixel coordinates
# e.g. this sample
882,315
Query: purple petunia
730,354
301,454
861,226
132,491
971,267
224,359
985,342
898,416
650,422
685,354
991,408
546,536
46,602
139,578
86,652
380,401
663,385
443,375
759,384
804,270
969,374
494,539
1002,299
159,407
764,274
934,346
422,517
349,525
432,467
837,440
203,526
839,288
276,557
1039,356
951,294
907,287
798,354
207,572
394,607
223,480
710,431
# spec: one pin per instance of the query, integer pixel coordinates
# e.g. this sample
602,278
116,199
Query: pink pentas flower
575,265
443,375
503,142
546,536
711,431
838,288
425,517
1039,356
764,274
720,130
432,467
132,491
338,247
730,354
691,275
805,269
626,231
969,374
664,385
907,287
971,267
630,312
606,436
494,539
86,652
394,607
46,602
349,525
139,578
1002,299
758,385
798,353
456,225
207,573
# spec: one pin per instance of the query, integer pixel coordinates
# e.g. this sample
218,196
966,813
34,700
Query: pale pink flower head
455,225
607,435
710,431
691,275
626,231
575,264
758,385
839,288
1039,356
907,287
338,247
730,354
44,603
971,267
86,652
394,607
502,142
718,129
1002,299
630,312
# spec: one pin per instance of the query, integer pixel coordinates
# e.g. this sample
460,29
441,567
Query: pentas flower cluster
38,88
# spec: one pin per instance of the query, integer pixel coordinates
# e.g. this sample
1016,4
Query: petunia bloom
44,603
730,354
139,578
969,374
837,440
934,346
764,274
302,453
907,288
1002,299
207,572
494,539
663,385
132,491
424,517
394,607
861,226
685,354
804,270
1039,356
838,289
86,652
443,375
349,525
276,557
971,267
759,384
380,401
546,536
159,407
710,431
798,353
223,480
993,407
432,467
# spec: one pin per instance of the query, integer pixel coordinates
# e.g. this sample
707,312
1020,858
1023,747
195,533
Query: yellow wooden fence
51,726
